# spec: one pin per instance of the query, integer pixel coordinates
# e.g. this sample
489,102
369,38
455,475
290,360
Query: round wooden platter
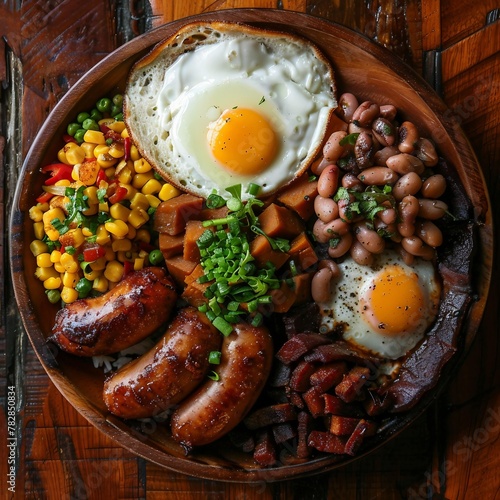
361,67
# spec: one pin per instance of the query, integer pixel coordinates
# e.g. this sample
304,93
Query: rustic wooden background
452,452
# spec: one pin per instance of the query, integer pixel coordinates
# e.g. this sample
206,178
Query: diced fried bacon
295,399
304,427
269,415
343,426
375,404
299,381
327,442
265,451
280,376
283,432
314,401
335,406
300,344
339,351
329,375
349,389
363,429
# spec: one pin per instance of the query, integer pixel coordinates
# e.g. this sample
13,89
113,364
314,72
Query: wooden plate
361,67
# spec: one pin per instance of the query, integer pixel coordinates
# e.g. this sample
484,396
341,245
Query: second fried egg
384,309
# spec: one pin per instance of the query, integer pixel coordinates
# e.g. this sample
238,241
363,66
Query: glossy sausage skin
216,407
166,374
118,319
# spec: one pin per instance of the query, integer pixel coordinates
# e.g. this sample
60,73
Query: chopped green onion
253,189
214,376
214,357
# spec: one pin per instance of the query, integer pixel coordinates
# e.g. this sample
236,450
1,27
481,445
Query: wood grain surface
452,451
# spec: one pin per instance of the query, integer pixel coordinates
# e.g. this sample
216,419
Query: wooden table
453,451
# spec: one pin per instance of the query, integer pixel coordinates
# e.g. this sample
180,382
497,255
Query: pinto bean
434,186
429,233
350,181
360,254
321,285
332,150
431,209
364,150
337,227
426,152
409,183
382,155
388,216
344,212
384,131
404,163
378,176
365,113
326,209
408,137
408,209
369,238
319,165
356,128
388,111
348,103
415,246
408,258
330,264
319,233
328,181
340,246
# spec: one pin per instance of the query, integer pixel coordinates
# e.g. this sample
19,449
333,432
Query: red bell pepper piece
101,176
91,254
58,172
118,195
127,143
128,267
68,138
44,197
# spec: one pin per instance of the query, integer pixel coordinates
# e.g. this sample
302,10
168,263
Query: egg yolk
395,301
242,141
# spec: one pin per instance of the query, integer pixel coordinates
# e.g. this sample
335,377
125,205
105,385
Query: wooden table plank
452,450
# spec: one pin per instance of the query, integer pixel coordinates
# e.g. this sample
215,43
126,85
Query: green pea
72,128
90,124
118,117
83,287
104,105
82,117
115,110
79,134
118,100
54,296
156,257
96,115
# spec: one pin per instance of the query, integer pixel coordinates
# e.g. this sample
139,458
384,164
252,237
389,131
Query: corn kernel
139,180
72,238
131,191
43,206
87,232
43,260
101,149
124,245
52,283
116,150
69,262
153,186
124,133
59,267
75,174
143,254
114,271
106,121
61,156
100,284
38,247
110,172
117,126
50,215
88,147
138,217
132,231
88,172
94,137
139,201
134,153
55,256
119,211
168,192
69,295
38,230
74,153
110,254
105,160
91,274
52,234
153,200
102,235
141,166
125,174
36,215
70,279
118,228
99,264
104,207
62,182
138,264
143,235
123,256
44,273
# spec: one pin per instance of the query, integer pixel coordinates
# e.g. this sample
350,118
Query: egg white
343,313
279,78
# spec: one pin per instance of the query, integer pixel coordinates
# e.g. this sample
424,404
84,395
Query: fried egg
384,309
224,104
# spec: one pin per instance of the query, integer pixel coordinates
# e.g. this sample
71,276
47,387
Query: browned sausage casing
218,406
166,374
118,319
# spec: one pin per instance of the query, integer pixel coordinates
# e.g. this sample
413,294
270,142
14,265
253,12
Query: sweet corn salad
93,221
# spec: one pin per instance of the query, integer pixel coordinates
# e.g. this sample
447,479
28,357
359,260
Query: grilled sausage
118,319
166,374
216,407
